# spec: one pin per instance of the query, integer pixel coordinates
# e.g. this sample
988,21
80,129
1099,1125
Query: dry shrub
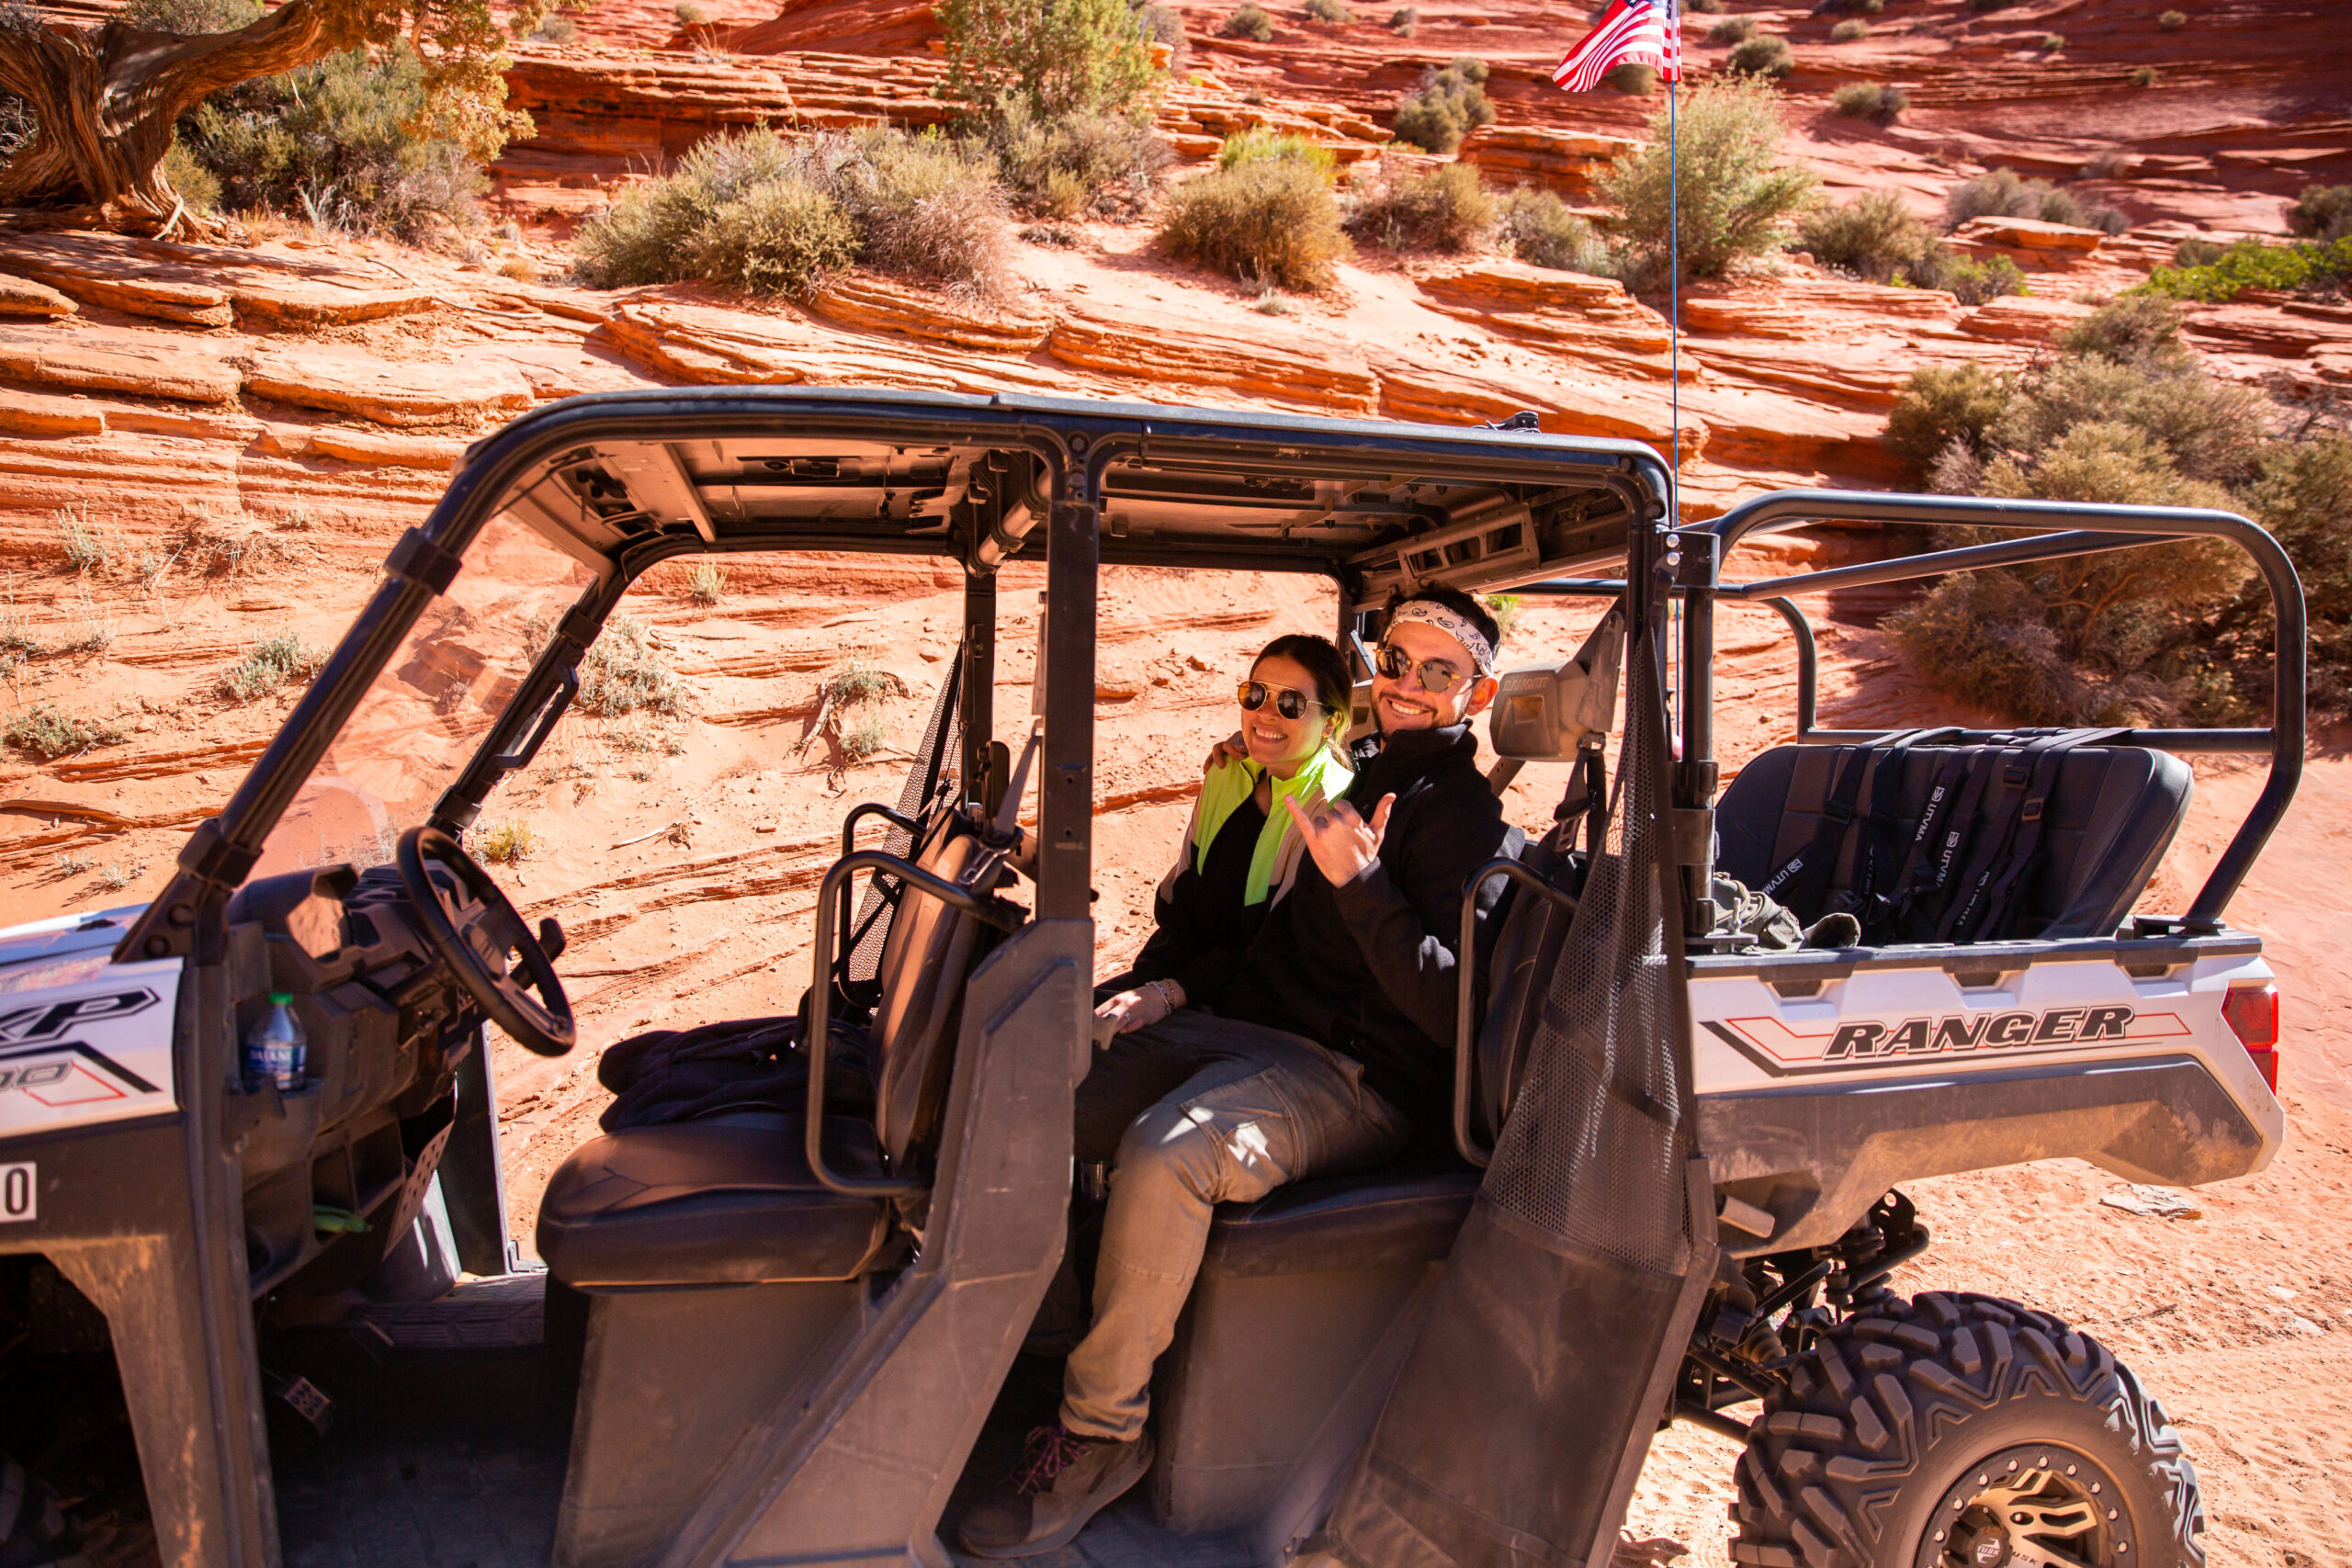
1874,237
1942,406
1731,31
756,212
1446,208
2003,192
1764,56
2321,212
1449,106
1268,222
1249,20
1403,22
1875,101
1081,165
1541,229
1634,81
1333,12
1853,29
2173,21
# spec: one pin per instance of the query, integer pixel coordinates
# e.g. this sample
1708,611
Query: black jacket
1202,924
1369,968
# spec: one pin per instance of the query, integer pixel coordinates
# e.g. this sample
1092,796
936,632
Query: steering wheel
476,950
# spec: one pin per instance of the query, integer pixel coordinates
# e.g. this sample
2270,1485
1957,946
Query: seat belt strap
1879,851
1922,867
1801,881
2021,769
2004,901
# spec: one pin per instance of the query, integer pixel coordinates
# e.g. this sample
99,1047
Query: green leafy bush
1878,102
1262,143
1853,29
1056,58
1874,237
1083,163
1446,208
2250,263
2003,192
1249,20
2321,212
757,212
331,142
1449,105
1541,229
1731,31
1765,56
1944,405
1268,222
1734,206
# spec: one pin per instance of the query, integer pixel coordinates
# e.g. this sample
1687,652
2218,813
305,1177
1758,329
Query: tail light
2251,1013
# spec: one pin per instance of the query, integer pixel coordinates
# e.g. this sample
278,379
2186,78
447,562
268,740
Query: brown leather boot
1063,1480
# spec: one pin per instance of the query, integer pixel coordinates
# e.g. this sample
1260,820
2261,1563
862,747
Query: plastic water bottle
275,1049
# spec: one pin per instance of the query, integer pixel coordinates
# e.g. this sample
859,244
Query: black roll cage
1693,566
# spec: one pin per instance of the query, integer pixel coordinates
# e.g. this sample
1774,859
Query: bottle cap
280,998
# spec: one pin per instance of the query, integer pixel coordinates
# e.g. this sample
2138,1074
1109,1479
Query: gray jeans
1192,1112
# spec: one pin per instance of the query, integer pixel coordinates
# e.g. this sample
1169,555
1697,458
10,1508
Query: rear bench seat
2112,815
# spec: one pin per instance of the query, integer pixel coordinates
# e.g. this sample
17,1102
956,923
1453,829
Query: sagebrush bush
1878,102
1541,229
1449,105
1708,6
2321,212
1734,205
1056,58
329,142
1634,80
1968,280
50,732
1874,237
2145,76
2003,192
1260,143
623,673
2303,496
1269,221
2173,21
1249,20
1334,12
1764,56
1446,208
1731,31
274,663
2133,329
1943,405
2209,430
1404,20
1083,163
2051,44
757,212
195,185
1853,29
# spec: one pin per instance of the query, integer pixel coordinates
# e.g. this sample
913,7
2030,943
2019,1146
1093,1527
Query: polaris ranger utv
783,1334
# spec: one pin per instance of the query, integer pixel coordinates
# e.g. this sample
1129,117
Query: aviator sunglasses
1436,676
1254,694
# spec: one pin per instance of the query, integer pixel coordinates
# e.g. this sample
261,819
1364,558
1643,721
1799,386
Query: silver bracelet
1159,989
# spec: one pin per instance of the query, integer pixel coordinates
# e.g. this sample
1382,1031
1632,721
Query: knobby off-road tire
1922,1433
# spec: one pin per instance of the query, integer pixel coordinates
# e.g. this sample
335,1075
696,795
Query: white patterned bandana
1430,613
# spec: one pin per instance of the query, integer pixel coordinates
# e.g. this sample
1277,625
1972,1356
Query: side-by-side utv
793,1334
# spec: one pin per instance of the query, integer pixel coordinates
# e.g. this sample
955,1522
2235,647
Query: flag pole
1674,265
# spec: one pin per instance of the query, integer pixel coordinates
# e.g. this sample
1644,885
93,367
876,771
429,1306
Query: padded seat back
1529,937
2112,813
931,950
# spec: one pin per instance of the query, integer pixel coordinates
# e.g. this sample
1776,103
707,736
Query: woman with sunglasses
1242,844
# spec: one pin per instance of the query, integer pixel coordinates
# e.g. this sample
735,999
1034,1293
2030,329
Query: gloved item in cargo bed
742,1064
1772,926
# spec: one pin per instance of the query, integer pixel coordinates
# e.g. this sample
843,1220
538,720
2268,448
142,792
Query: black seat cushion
1372,1219
2113,812
729,1201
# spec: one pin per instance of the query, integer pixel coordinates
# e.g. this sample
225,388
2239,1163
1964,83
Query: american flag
1632,32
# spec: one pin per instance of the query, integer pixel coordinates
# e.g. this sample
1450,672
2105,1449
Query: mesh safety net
1527,1393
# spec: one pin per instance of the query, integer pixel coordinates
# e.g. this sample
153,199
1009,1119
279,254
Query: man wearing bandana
1329,1050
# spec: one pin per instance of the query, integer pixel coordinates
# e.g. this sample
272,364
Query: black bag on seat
746,1063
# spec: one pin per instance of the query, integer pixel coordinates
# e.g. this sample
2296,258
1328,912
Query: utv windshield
439,696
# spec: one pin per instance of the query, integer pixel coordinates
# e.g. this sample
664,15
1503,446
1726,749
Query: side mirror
1548,714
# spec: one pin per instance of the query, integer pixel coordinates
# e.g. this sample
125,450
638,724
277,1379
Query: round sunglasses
1292,704
1436,676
